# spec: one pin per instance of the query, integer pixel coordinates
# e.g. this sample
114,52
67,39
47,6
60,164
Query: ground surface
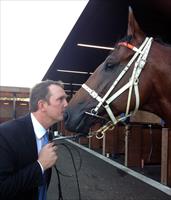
98,180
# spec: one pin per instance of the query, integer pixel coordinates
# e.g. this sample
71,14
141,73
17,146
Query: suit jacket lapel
29,137
31,145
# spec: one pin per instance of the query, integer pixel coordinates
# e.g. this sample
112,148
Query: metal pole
95,46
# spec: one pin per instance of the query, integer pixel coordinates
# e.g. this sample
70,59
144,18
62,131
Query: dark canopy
103,23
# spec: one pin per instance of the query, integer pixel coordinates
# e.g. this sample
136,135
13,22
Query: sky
31,34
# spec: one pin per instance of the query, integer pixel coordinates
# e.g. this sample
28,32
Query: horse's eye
109,65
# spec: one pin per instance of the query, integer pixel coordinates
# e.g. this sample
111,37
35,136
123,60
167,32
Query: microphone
55,136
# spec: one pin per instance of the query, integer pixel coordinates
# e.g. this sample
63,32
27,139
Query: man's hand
48,155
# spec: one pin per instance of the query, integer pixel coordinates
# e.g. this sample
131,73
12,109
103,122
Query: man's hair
41,92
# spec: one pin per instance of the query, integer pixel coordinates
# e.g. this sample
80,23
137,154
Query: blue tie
43,188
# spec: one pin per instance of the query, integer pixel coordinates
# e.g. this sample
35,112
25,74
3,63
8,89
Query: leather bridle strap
130,46
142,54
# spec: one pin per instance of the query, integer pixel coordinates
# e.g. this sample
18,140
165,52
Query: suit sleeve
15,180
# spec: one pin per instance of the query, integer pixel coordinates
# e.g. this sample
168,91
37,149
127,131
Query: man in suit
25,165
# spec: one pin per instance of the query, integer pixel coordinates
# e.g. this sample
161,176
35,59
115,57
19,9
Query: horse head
121,84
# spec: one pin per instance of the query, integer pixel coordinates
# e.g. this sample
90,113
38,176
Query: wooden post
169,159
89,142
104,145
126,144
14,105
164,156
133,146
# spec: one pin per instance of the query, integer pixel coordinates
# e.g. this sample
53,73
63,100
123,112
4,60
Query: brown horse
135,75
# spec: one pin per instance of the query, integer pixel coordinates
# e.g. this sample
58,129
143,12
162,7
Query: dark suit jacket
20,173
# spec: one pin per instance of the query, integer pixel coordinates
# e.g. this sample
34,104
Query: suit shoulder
14,124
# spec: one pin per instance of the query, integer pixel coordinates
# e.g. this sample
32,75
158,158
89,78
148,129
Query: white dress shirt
39,133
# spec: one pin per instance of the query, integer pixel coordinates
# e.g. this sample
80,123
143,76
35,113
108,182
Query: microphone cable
60,197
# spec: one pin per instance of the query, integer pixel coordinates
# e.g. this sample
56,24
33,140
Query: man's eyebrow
63,96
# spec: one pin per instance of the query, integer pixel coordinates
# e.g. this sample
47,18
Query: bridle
139,58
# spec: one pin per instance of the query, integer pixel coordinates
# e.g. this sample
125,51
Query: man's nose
66,103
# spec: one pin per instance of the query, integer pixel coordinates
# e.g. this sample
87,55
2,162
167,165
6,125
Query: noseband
139,58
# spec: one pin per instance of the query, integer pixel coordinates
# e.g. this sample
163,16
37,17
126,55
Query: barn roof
103,23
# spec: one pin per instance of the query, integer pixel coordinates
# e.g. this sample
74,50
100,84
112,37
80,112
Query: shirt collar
38,128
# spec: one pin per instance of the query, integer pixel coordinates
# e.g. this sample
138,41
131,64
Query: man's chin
59,119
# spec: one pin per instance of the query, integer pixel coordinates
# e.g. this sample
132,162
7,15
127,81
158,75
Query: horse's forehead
118,55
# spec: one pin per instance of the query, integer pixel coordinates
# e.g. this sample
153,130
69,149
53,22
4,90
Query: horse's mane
159,40
128,38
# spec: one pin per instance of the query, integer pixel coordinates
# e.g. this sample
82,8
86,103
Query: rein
139,58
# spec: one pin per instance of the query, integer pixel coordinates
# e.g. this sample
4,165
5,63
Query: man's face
57,103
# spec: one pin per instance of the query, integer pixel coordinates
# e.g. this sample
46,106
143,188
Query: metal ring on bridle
94,112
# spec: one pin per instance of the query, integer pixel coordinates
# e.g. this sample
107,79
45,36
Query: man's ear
41,105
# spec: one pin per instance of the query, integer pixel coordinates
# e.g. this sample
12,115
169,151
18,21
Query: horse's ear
133,27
